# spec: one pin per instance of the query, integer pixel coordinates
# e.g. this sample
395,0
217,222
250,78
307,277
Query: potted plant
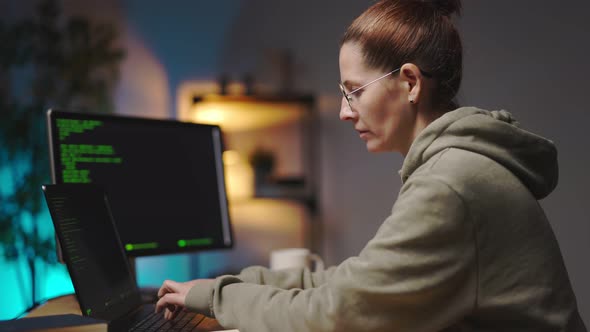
45,61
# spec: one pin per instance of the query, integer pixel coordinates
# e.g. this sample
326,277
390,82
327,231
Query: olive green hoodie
466,248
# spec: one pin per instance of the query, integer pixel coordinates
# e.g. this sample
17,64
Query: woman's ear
411,77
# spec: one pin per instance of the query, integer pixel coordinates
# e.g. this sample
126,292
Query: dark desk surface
69,305
66,304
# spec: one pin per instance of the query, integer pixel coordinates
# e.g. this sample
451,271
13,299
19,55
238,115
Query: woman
466,247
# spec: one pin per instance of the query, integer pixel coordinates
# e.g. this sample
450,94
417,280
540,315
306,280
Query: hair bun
447,7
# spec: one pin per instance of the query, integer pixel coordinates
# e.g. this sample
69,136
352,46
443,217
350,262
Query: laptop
104,284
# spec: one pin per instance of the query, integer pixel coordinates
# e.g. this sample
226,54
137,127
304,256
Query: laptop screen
93,253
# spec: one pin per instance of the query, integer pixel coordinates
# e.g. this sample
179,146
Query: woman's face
380,112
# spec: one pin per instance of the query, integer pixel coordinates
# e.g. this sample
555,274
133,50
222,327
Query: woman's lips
363,133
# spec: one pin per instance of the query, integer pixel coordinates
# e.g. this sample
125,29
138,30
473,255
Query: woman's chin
374,148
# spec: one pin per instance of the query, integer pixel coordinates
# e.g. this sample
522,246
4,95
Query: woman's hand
172,295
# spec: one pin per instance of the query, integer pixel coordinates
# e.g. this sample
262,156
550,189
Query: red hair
394,32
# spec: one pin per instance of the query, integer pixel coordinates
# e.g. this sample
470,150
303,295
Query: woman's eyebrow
349,83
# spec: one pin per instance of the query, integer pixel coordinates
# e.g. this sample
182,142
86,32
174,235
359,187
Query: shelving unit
275,140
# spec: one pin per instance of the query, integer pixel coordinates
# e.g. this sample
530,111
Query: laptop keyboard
184,322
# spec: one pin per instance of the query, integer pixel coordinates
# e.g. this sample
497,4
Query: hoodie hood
494,134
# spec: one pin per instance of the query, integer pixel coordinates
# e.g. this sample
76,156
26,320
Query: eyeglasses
348,94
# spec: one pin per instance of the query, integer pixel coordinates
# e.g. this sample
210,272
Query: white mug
295,258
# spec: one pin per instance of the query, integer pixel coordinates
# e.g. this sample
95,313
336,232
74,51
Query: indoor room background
528,57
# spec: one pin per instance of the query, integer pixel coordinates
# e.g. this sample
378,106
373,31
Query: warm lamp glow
245,115
209,116
239,176
272,216
231,158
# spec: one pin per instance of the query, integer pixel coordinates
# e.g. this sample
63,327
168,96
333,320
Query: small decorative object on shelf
279,134
263,162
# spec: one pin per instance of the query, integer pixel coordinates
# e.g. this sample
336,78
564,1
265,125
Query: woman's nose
346,113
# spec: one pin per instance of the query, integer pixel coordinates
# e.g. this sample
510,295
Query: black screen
104,284
164,178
